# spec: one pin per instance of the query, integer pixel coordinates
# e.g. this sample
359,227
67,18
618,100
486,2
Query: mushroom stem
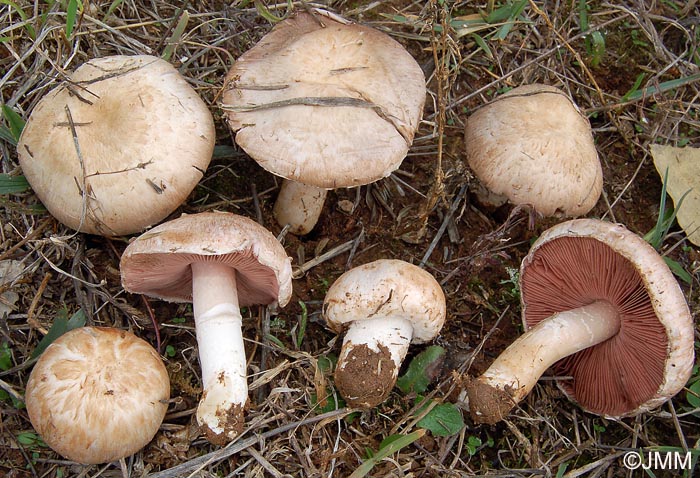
221,352
370,357
516,371
299,205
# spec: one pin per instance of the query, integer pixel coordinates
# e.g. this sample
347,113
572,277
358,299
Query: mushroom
533,146
325,103
97,394
602,307
383,306
118,146
219,262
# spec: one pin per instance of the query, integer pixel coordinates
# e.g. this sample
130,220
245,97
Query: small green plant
473,444
6,364
61,324
442,419
299,330
594,41
170,351
658,233
513,283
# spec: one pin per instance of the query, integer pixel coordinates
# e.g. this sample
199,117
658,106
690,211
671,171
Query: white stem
221,351
518,368
370,358
299,205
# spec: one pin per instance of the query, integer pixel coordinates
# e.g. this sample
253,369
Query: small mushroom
97,394
533,146
324,103
383,306
118,146
219,262
602,307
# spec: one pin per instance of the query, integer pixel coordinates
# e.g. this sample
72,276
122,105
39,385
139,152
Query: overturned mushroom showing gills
326,103
602,307
533,146
383,306
97,394
118,146
219,262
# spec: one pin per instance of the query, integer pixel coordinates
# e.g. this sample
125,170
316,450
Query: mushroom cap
157,263
388,288
97,394
325,103
651,357
534,146
145,139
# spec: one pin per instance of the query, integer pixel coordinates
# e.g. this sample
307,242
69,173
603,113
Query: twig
32,307
443,226
200,462
299,271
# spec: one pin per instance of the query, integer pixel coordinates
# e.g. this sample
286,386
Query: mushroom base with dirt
515,372
370,358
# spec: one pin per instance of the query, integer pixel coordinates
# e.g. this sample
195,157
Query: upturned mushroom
324,103
602,307
118,146
97,394
383,307
219,262
533,146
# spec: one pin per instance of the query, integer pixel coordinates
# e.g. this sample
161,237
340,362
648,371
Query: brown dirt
367,377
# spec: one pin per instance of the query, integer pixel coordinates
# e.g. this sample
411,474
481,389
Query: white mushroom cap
387,287
383,306
157,263
145,139
650,359
533,146
97,394
325,103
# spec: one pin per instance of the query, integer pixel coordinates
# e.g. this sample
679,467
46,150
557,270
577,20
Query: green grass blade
71,15
390,448
13,184
175,37
115,4
633,95
61,325
15,122
22,15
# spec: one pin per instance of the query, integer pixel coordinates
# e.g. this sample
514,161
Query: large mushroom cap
97,394
157,263
325,103
144,138
533,146
387,287
651,357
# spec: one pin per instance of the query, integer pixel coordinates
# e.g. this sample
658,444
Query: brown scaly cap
325,102
533,146
97,394
145,139
651,357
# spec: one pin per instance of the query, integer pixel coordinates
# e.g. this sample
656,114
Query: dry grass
422,214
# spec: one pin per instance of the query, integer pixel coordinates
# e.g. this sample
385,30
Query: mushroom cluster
325,103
